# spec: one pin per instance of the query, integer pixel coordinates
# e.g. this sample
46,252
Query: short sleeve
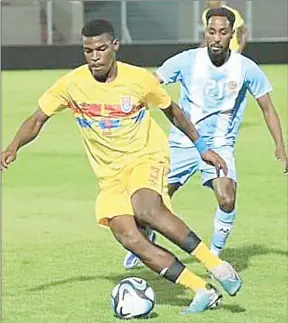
55,99
171,69
256,81
155,93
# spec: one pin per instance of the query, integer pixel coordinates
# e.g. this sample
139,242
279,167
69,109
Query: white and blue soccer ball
132,298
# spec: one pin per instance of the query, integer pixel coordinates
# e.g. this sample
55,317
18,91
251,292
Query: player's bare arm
273,123
28,131
242,34
178,118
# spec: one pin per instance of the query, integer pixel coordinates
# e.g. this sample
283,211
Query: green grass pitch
59,267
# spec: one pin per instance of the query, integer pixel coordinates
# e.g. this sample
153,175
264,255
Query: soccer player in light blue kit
214,82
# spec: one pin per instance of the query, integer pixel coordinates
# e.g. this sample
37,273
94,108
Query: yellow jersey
114,118
239,22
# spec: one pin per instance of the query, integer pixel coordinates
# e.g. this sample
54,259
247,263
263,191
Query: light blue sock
223,224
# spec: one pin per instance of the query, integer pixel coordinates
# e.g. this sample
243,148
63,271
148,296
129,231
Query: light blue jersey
214,98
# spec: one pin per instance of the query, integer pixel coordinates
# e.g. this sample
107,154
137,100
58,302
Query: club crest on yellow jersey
126,104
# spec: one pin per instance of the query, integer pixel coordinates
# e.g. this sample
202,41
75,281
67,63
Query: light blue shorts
185,162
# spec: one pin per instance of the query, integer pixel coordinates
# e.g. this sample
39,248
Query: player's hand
7,157
212,158
281,155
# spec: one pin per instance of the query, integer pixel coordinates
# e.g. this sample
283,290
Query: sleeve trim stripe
48,113
263,93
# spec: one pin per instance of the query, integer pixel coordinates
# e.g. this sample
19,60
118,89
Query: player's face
218,35
214,3
100,53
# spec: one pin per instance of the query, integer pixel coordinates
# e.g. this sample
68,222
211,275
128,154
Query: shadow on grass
168,293
233,308
240,257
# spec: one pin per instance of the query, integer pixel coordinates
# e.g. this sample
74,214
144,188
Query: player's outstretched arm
178,118
28,131
273,123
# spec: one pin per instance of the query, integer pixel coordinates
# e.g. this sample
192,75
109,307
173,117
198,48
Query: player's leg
163,262
225,192
173,188
150,210
126,231
131,261
183,164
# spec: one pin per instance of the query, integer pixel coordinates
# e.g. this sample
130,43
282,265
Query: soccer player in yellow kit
128,152
239,40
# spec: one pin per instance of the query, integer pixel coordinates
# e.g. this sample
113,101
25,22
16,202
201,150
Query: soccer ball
132,297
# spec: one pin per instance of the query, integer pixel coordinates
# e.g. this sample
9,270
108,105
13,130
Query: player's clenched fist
7,157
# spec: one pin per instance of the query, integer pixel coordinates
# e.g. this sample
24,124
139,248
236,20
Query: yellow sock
191,281
206,257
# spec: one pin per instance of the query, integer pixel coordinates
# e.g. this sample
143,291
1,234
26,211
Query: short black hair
221,12
98,27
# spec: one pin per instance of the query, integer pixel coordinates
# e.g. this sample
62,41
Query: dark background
70,56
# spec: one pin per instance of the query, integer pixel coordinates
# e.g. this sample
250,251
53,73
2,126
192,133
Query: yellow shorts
115,194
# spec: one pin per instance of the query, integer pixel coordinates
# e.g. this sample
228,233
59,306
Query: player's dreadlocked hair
222,12
98,27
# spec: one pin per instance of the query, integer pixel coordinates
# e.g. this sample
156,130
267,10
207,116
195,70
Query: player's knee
227,202
147,215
